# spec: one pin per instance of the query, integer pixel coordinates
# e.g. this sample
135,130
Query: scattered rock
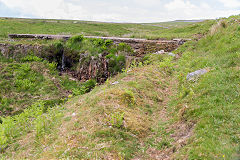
160,52
171,54
114,83
196,74
72,79
180,41
74,114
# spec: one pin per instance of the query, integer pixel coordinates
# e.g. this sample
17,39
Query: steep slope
212,102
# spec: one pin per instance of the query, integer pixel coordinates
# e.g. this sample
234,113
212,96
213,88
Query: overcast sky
120,10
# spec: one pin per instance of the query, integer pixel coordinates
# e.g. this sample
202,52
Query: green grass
180,29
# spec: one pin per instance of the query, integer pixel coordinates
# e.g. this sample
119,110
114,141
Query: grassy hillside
213,101
179,29
150,112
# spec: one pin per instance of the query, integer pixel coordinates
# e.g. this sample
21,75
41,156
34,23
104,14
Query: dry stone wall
141,46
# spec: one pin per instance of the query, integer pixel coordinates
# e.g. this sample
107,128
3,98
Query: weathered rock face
85,68
142,48
93,68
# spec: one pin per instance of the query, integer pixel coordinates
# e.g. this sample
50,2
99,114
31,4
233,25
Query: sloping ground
110,122
152,111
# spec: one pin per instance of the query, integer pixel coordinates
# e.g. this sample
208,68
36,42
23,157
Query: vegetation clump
128,97
116,119
75,42
80,52
222,23
116,63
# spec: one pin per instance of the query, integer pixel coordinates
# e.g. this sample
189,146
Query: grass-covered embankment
213,101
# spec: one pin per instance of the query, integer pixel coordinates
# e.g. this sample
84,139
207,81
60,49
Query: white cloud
231,3
121,11
185,9
180,4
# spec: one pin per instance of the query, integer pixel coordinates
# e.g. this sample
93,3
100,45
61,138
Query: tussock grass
222,23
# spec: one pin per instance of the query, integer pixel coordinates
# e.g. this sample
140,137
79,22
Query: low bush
116,63
31,58
23,84
128,97
116,119
52,67
89,85
75,42
124,48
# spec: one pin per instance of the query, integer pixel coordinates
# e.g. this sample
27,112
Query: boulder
171,54
160,52
196,74
114,83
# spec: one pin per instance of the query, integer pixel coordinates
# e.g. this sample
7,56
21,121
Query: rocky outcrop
93,68
85,66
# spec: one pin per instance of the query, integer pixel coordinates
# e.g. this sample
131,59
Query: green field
132,30
152,112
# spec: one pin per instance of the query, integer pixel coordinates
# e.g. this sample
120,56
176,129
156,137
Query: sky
120,10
